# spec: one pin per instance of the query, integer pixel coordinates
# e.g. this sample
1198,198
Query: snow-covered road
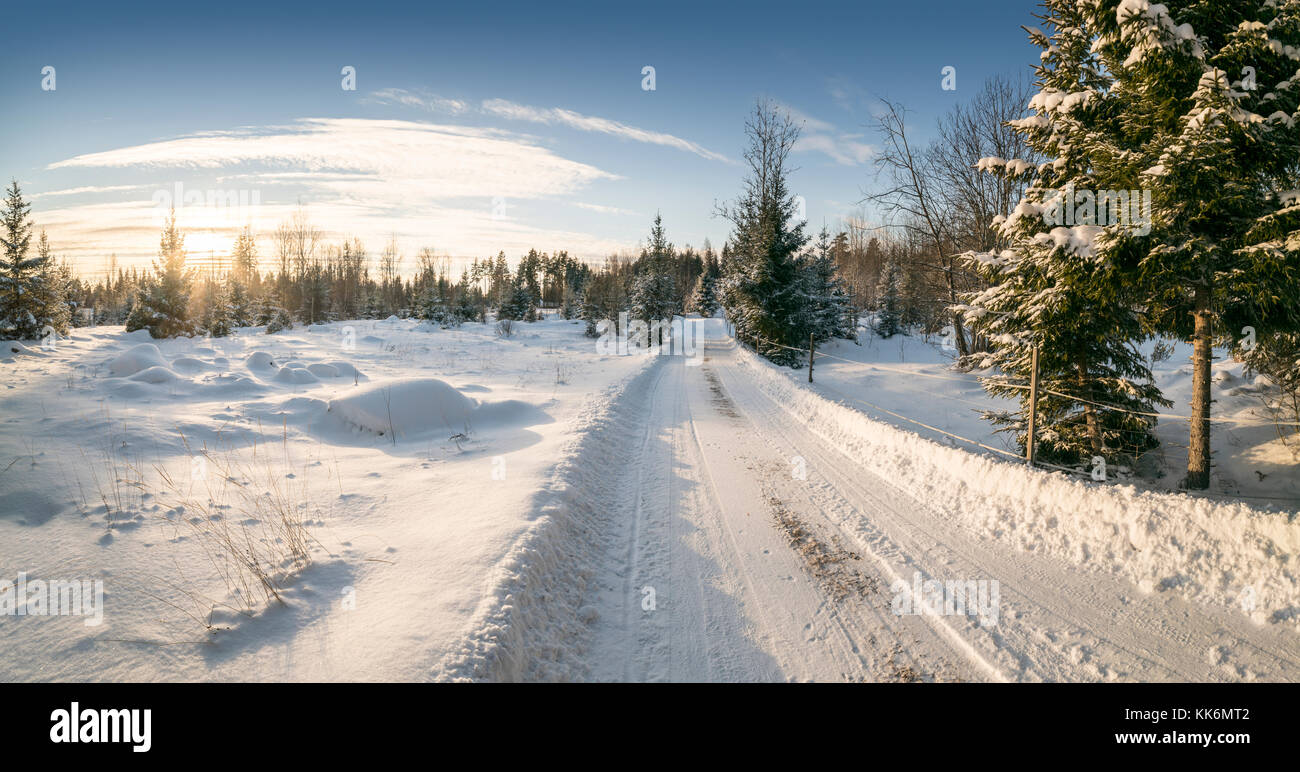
745,547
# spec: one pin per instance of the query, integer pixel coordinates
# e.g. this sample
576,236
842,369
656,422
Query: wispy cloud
845,148
397,161
421,99
550,116
87,189
436,184
556,115
602,208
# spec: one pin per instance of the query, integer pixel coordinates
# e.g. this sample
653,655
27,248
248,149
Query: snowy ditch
1222,553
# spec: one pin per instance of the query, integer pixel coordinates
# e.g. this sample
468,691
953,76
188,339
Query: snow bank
1213,552
136,359
531,624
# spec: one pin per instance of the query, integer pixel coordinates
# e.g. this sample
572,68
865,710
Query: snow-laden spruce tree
219,317
570,301
762,281
162,304
1277,357
827,303
1065,281
704,298
889,300
32,290
373,307
1204,102
272,313
653,294
435,307
519,303
590,313
51,287
528,277
242,310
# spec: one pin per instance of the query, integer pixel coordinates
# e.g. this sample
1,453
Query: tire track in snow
742,603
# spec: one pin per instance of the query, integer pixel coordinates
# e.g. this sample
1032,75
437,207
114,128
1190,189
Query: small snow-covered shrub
277,320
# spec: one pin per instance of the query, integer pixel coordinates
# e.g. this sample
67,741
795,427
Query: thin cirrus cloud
844,148
422,100
392,160
602,208
435,183
549,116
85,190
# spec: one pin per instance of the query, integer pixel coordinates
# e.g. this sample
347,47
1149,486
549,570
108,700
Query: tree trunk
959,332
1198,451
1089,412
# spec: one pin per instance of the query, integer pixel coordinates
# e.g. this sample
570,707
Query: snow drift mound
346,370
295,375
11,347
508,412
136,359
259,360
406,408
189,364
155,374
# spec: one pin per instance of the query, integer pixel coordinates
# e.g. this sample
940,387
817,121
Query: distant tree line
311,279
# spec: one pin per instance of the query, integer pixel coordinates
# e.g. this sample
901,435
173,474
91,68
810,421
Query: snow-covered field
351,425
911,376
450,504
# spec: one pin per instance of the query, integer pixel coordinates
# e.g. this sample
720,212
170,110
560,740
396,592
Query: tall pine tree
889,301
1207,105
826,298
32,286
162,304
1064,284
653,293
763,288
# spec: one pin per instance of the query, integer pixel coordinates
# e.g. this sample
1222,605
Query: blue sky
472,128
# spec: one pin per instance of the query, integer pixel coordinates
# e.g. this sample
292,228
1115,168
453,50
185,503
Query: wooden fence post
810,356
1033,408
